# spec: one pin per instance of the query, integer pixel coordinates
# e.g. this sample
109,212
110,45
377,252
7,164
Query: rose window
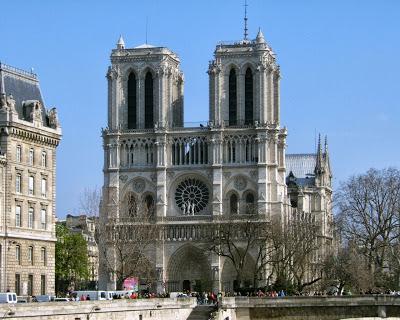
191,196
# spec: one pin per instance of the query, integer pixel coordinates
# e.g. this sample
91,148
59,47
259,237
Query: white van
8,297
94,295
109,295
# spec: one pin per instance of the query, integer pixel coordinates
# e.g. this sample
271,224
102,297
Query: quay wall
309,308
238,308
124,309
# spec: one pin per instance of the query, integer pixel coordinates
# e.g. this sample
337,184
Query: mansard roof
22,85
20,90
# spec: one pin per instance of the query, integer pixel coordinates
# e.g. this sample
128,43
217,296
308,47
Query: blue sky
340,65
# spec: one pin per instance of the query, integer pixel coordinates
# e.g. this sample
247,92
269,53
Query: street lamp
95,308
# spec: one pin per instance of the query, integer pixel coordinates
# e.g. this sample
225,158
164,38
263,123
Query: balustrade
188,150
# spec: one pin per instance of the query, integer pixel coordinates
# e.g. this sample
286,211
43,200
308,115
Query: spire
121,43
245,20
326,144
2,90
318,164
326,153
260,36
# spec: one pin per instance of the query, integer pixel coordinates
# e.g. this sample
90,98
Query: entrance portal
189,270
186,285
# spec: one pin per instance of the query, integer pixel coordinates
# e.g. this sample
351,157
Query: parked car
55,299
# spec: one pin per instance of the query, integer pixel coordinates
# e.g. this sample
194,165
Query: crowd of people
210,297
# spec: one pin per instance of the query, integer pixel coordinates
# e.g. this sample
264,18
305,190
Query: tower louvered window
248,97
232,98
132,101
148,101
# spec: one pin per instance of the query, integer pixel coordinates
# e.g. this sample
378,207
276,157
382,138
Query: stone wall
309,308
168,309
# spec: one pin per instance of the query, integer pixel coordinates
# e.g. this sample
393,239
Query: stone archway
189,270
229,275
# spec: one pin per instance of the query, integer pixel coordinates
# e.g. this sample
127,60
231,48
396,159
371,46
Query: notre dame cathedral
236,164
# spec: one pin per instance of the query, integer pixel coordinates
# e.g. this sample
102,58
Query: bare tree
296,243
127,239
369,216
239,237
346,269
89,201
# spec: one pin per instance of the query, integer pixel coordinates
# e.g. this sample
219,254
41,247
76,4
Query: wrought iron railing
7,67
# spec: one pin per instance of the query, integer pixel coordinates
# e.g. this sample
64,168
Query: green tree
71,259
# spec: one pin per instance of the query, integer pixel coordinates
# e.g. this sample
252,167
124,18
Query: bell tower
145,88
244,83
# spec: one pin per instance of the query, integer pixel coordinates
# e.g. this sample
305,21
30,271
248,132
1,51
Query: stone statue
53,118
3,100
11,103
184,208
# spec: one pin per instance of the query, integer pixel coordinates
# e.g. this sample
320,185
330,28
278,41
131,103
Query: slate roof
302,166
23,85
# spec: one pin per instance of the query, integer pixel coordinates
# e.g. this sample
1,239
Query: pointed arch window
250,203
233,203
132,101
248,97
148,101
149,205
232,98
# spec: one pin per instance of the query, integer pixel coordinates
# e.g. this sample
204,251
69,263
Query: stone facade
86,226
234,165
29,135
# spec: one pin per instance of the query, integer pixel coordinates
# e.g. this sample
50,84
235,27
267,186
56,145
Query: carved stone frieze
138,185
227,174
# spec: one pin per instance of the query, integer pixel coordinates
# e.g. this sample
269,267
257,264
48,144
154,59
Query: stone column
140,104
113,97
214,72
240,96
159,103
261,106
216,146
270,95
262,182
161,197
277,78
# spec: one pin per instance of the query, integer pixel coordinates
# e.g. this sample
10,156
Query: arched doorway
189,270
229,277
